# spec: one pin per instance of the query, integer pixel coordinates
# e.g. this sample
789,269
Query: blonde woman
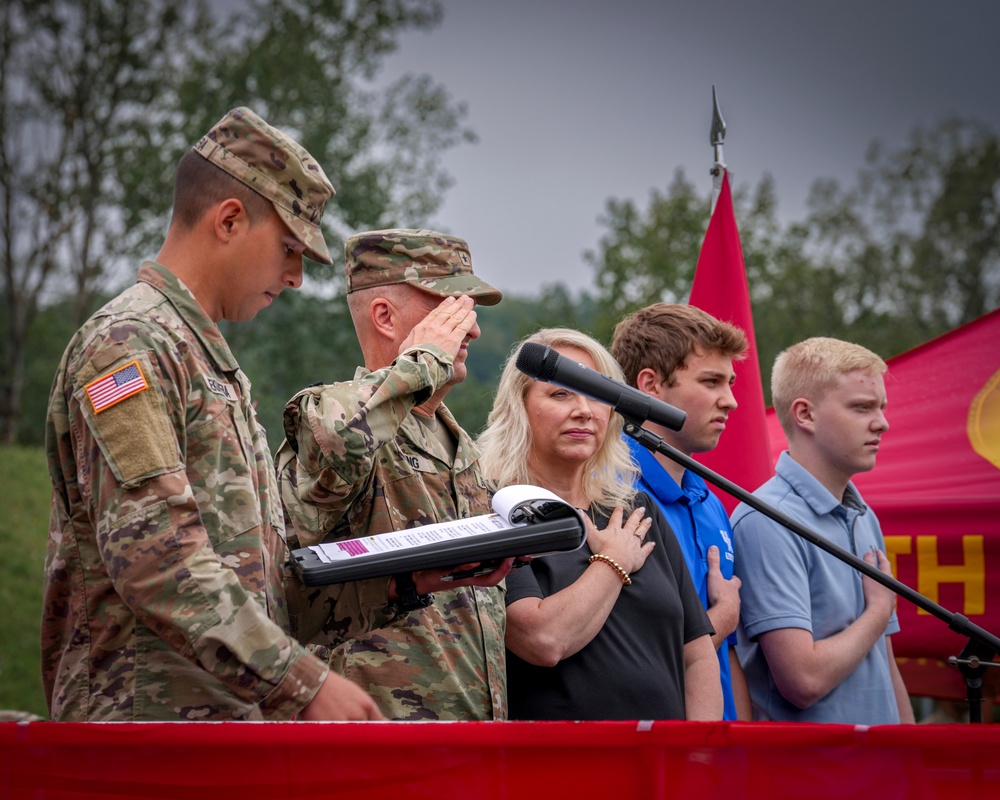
614,630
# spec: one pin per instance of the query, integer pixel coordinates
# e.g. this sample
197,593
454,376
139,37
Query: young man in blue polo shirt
683,356
815,634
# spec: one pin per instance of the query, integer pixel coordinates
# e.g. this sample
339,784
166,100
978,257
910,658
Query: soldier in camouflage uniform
163,576
383,453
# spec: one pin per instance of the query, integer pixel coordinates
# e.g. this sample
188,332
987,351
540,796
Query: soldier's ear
229,215
383,316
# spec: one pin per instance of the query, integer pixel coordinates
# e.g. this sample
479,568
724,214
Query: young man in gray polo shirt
814,637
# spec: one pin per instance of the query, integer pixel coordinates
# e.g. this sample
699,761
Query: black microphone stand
978,653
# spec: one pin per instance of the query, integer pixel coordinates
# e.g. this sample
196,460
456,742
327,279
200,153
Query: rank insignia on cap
111,389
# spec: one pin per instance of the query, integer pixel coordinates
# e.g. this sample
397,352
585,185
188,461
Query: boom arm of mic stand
989,645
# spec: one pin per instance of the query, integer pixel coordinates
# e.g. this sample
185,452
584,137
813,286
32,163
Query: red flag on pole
720,288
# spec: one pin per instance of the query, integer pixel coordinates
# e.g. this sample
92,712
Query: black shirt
634,667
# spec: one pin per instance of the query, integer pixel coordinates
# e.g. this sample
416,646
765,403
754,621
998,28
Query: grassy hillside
23,533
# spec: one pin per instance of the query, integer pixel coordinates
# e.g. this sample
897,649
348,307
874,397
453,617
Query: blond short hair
506,443
812,367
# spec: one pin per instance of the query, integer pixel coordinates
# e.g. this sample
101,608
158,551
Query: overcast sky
577,102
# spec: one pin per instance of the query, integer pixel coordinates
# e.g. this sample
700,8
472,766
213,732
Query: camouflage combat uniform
163,596
364,465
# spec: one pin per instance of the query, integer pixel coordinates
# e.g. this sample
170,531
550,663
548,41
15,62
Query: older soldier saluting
382,452
163,596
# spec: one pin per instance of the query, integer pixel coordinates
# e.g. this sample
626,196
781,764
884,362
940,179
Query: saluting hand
446,326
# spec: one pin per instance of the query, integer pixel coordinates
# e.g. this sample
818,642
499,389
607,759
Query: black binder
537,525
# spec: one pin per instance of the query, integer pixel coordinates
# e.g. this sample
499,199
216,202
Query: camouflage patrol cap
435,262
276,167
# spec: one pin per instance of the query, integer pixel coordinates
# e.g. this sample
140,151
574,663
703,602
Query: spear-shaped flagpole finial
717,137
718,134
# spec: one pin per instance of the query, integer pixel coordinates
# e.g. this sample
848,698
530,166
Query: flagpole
720,288
717,137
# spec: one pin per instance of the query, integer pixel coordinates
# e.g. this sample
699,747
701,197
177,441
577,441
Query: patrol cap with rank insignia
434,262
276,167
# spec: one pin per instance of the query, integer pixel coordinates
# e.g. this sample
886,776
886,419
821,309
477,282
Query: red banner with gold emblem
936,491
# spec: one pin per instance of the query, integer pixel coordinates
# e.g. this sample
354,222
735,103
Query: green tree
101,97
909,251
75,78
648,257
310,66
50,330
916,241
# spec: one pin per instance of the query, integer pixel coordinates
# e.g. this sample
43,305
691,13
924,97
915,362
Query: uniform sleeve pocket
129,421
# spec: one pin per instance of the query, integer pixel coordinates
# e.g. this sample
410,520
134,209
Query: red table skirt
517,760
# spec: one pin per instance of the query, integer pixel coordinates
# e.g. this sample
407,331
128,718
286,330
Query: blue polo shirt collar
692,489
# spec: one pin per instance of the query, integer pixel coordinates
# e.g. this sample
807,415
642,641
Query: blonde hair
505,444
811,368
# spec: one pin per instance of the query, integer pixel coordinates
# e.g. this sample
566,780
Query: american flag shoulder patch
111,389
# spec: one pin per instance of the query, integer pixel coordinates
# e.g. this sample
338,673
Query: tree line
100,98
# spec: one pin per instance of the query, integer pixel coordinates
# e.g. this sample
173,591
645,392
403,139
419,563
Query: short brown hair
661,337
812,367
199,185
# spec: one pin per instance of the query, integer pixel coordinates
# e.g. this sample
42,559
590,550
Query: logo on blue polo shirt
729,544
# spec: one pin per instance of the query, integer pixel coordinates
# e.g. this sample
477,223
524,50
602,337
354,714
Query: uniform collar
187,306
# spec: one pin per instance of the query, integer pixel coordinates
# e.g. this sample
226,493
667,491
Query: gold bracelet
614,565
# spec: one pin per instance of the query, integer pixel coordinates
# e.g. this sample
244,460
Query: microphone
545,364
